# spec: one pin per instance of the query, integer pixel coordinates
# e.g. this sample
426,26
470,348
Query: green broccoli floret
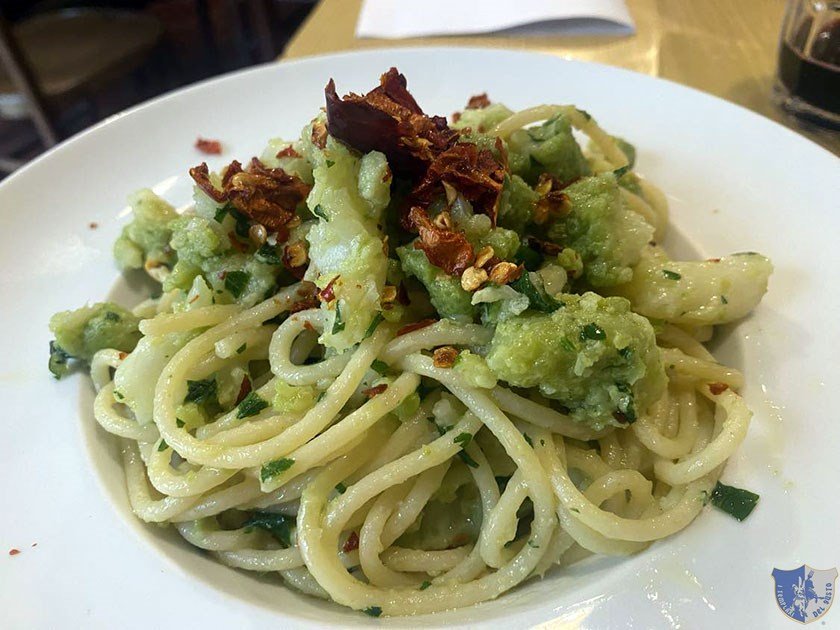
81,333
516,204
445,291
607,235
479,230
195,240
239,278
593,355
147,236
549,148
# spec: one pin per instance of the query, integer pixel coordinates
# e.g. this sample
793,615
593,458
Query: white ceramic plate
735,182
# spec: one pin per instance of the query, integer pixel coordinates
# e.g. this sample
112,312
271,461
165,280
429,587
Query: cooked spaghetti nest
408,456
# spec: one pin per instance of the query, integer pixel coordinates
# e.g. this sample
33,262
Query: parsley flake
236,281
274,468
736,502
200,392
374,323
671,275
338,323
593,332
251,405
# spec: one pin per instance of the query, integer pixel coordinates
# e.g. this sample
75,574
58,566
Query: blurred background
64,65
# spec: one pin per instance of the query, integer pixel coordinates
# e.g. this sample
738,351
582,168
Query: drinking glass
808,77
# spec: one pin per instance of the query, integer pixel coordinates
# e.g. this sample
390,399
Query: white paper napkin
393,19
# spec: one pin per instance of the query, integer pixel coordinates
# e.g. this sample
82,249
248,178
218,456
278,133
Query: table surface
724,47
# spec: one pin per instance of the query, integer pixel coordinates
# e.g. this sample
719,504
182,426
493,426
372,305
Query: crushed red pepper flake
308,326
474,173
210,147
448,249
388,119
479,101
304,305
327,294
718,388
352,543
402,294
244,390
14,552
288,152
423,323
268,196
93,225
375,391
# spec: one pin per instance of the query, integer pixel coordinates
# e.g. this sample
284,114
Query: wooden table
724,47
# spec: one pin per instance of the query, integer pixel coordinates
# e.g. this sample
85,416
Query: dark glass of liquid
808,81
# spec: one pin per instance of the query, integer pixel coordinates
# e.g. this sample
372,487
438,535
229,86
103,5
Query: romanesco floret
85,331
147,236
593,355
549,148
516,204
608,236
445,291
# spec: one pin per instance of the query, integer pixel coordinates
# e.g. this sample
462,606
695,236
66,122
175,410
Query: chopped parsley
251,405
538,298
593,332
330,163
111,316
626,353
268,254
179,423
671,275
236,281
374,323
338,323
426,584
380,366
277,525
200,392
119,395
272,469
723,299
58,360
162,446
241,348
464,439
528,439
528,257
736,502
340,488
318,211
373,611
221,213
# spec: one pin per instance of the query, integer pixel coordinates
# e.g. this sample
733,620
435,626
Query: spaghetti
310,431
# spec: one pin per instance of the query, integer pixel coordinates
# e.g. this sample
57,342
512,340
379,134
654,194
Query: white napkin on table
393,19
